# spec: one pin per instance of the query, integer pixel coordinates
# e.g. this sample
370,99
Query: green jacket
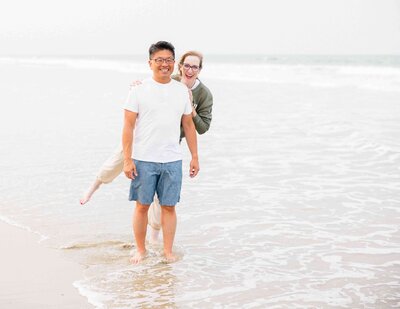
202,102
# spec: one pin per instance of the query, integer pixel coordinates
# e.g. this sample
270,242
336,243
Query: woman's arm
203,116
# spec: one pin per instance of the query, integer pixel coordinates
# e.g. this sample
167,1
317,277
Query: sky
100,27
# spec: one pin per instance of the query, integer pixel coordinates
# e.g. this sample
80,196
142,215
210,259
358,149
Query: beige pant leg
112,167
154,214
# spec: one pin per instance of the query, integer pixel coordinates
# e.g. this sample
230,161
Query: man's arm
127,142
191,140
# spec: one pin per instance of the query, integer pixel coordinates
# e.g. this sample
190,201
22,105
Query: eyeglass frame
160,60
194,68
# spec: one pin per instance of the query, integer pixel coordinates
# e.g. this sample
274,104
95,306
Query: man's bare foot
170,258
138,257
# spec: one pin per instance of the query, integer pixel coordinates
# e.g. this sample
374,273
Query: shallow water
296,204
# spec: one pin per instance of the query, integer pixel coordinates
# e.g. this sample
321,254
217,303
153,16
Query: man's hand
130,169
194,168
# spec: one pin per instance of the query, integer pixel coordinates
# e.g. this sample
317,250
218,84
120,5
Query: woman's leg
154,219
86,197
110,169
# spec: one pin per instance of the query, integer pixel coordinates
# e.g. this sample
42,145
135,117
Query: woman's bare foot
89,192
85,199
138,257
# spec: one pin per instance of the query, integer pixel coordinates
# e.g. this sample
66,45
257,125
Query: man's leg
139,222
168,223
168,191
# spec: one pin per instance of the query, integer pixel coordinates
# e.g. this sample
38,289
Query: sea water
296,204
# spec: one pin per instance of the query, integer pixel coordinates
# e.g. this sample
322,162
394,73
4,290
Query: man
153,114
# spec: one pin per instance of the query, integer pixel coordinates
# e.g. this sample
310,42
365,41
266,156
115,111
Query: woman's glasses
194,68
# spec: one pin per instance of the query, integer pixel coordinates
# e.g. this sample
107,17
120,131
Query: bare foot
138,257
170,258
84,199
90,191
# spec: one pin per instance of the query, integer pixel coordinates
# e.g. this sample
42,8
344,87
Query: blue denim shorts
165,179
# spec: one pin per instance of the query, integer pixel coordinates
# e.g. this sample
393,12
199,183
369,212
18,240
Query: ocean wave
373,78
105,243
77,63
23,227
377,78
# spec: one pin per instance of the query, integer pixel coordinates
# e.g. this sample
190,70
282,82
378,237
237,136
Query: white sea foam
96,299
23,227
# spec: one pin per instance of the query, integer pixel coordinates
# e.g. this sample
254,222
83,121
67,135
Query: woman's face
190,69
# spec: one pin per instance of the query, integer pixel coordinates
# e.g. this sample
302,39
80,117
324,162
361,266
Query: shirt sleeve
203,118
131,103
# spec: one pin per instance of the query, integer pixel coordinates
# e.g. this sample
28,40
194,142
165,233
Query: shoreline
33,276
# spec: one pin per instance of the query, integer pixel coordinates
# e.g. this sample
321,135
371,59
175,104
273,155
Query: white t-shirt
160,108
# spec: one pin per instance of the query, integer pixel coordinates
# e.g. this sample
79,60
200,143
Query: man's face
162,65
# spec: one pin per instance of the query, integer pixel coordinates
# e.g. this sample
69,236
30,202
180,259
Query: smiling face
162,66
188,70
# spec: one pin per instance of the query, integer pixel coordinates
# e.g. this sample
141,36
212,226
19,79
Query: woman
189,67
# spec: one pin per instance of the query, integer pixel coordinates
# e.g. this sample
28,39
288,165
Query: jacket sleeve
202,120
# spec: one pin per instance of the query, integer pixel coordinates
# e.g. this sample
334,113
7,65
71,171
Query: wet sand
33,276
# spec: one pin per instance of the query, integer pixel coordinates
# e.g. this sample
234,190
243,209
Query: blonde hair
190,53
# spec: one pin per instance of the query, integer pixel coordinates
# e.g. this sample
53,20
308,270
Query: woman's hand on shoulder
135,83
190,95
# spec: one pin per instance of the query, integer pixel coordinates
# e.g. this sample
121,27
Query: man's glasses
166,60
194,68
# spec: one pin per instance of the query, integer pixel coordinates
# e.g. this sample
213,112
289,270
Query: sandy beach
33,276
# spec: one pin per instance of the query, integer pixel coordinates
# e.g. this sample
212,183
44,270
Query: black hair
161,45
